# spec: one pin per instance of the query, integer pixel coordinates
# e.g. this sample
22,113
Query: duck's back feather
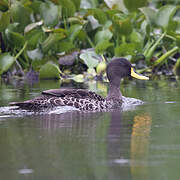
76,93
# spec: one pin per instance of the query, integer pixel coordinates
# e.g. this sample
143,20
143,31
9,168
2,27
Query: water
141,143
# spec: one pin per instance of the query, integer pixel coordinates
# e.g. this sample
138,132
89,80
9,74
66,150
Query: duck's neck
114,91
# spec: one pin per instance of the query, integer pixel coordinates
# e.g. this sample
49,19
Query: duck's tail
23,105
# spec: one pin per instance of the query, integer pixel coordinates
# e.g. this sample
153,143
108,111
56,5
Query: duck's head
119,68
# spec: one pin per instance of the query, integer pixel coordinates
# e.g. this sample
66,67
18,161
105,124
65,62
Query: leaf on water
90,58
78,78
49,71
6,61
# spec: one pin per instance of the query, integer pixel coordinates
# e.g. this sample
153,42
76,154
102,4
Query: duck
82,99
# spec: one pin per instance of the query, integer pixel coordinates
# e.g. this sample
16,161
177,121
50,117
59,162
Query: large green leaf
99,14
4,20
102,46
105,34
3,5
35,54
90,58
122,25
20,14
35,37
125,49
52,39
135,4
116,4
49,71
164,15
74,31
15,39
68,7
150,14
65,46
50,13
6,61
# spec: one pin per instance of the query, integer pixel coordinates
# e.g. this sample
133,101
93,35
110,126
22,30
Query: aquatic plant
40,34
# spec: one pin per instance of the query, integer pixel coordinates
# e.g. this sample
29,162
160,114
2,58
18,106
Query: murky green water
140,144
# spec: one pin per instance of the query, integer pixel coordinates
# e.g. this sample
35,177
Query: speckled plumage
81,99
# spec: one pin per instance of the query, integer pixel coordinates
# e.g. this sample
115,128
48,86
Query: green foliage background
37,33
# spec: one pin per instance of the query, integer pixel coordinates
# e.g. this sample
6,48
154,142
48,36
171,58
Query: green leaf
65,46
177,67
99,14
68,7
162,59
116,4
20,14
31,26
105,34
49,71
90,58
150,14
35,37
3,5
35,54
51,41
135,4
14,38
87,4
137,39
6,61
74,31
4,20
122,25
125,49
50,13
164,15
102,46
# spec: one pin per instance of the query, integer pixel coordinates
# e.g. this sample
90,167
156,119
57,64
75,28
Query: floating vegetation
56,37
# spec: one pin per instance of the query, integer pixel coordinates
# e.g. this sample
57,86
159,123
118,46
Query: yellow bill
138,76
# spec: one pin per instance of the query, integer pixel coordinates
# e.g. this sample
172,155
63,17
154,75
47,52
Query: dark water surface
139,144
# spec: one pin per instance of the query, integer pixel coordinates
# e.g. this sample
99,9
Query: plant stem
162,59
21,51
152,49
17,56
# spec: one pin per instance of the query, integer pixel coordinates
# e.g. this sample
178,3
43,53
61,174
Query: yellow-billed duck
85,100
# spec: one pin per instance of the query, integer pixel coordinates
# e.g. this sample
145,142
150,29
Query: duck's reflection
140,146
92,145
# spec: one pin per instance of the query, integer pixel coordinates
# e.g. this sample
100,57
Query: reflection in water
93,146
140,146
